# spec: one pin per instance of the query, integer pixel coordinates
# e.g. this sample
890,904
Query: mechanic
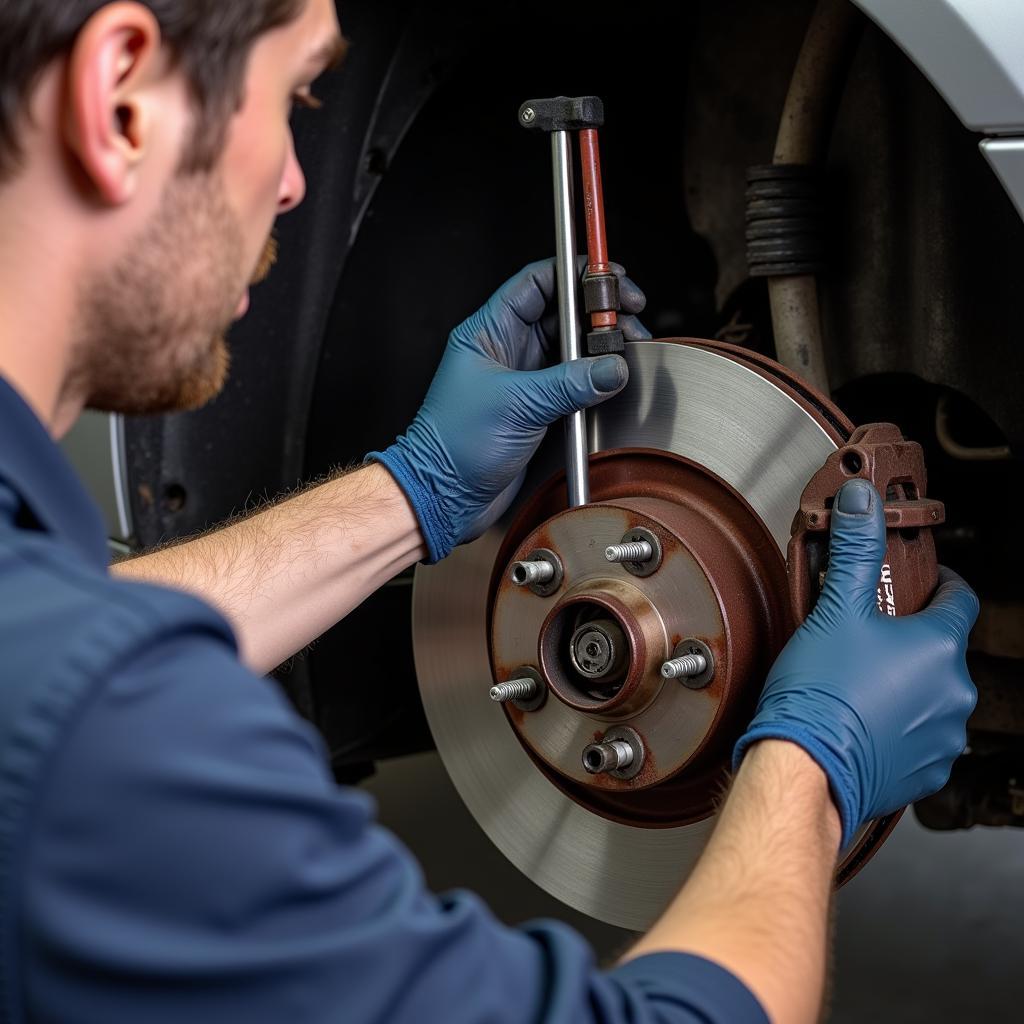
172,844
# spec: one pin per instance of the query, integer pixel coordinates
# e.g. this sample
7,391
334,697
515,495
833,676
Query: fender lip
969,50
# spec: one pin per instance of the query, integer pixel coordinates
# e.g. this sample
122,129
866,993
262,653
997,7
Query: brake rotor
705,454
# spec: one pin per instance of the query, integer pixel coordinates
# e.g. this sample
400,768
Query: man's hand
880,703
465,455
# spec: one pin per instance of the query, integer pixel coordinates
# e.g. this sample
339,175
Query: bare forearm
758,901
284,576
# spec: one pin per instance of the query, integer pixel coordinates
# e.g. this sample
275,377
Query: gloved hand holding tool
880,703
464,457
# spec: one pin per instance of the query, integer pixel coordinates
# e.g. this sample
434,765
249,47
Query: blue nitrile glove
464,458
880,703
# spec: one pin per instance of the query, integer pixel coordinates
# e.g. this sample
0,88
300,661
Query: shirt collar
34,467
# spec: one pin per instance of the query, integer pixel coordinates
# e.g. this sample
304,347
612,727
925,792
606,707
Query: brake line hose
784,206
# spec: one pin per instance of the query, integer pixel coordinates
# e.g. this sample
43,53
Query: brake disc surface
748,430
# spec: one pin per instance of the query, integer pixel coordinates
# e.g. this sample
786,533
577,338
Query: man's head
157,133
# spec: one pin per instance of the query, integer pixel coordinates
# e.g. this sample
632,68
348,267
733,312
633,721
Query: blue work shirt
174,849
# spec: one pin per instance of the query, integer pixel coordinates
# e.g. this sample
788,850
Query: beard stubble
151,331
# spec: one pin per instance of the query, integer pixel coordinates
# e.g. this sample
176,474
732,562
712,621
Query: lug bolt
515,689
607,757
687,666
537,573
634,551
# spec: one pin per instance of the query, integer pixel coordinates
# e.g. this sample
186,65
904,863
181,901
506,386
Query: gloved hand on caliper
880,703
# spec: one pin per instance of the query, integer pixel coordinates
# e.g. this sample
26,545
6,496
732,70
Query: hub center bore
598,651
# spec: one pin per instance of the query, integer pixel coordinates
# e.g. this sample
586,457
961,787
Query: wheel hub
600,640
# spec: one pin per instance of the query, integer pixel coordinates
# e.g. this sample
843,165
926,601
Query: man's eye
305,99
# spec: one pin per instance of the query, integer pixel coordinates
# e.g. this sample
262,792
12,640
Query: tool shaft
577,449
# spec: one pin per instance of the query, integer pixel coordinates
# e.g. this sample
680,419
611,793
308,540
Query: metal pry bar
559,116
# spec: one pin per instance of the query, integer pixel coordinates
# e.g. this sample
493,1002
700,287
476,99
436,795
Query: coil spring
785,214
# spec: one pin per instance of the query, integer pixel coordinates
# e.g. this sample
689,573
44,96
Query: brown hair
211,40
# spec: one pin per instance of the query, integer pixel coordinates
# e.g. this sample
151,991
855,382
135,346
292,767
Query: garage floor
931,932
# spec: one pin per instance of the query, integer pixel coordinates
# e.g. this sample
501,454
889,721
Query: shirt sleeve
191,859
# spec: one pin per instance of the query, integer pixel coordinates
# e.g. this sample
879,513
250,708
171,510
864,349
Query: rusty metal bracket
879,453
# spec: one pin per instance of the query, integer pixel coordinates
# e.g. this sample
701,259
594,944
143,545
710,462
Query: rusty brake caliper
879,453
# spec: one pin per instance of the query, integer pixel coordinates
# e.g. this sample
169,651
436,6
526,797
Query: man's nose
293,182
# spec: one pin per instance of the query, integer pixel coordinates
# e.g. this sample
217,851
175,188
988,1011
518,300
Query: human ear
110,108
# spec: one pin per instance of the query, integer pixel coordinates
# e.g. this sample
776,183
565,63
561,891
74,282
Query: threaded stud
515,689
686,666
632,551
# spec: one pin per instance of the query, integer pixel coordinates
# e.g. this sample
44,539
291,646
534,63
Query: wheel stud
636,551
688,665
515,689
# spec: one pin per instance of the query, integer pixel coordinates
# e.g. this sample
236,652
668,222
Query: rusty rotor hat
748,425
